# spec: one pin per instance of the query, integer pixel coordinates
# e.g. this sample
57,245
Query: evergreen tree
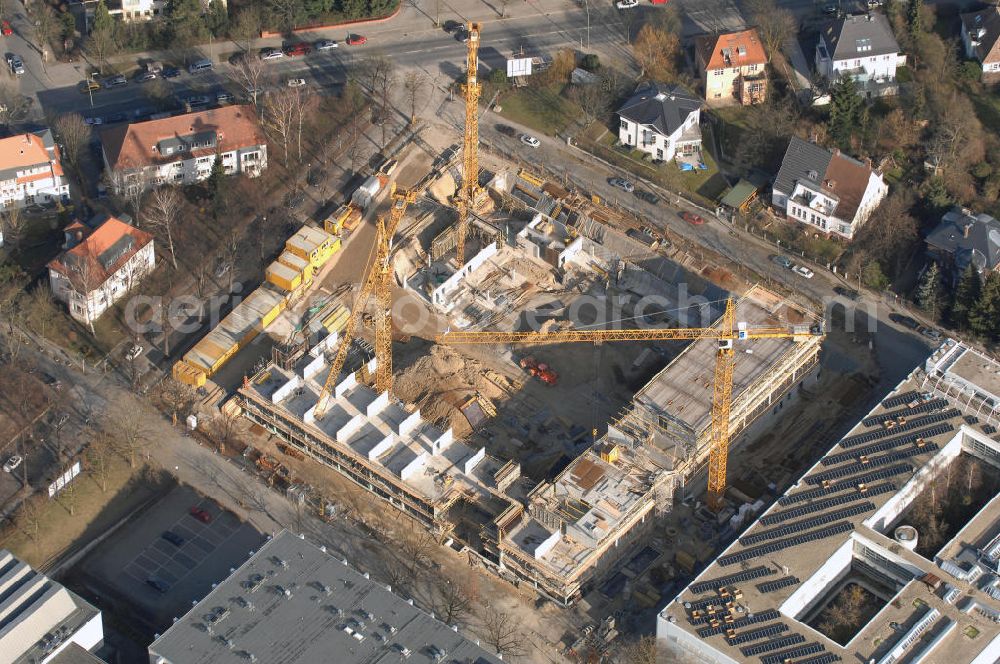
845,110
102,19
984,318
966,296
185,23
217,19
929,291
217,187
913,20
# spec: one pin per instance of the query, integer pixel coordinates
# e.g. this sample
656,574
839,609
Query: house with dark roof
862,47
182,149
662,120
99,266
981,39
962,238
827,191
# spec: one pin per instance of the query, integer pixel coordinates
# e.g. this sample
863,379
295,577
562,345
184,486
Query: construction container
299,264
188,375
337,320
283,277
236,330
313,244
343,220
365,194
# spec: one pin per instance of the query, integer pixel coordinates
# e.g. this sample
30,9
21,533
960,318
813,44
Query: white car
271,54
627,4
12,463
530,140
803,271
296,82
133,352
325,45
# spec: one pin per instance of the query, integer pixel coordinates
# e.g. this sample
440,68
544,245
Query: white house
981,39
99,266
182,149
826,190
144,10
662,120
862,47
30,171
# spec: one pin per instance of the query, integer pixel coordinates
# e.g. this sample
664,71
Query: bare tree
29,516
14,106
129,189
776,25
14,225
162,211
74,134
641,651
413,86
593,100
225,425
246,28
127,430
102,44
176,396
100,453
40,310
231,248
655,51
250,75
280,118
452,600
68,497
415,545
500,631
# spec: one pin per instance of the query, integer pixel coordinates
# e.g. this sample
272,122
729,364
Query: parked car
357,40
622,184
224,97
506,130
154,67
87,87
450,26
849,293
11,464
145,77
197,101
200,514
296,82
301,48
5,28
803,271
930,333
94,120
905,321
692,218
171,72
462,34
647,196
627,4
325,45
782,261
15,63
172,537
271,54
115,81
157,585
530,140
134,351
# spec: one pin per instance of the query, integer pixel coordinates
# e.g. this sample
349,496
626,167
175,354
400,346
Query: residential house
733,67
662,120
825,190
981,38
862,47
182,149
143,10
30,171
962,238
99,266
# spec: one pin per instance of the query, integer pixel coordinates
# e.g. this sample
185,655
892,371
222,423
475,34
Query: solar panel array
925,407
900,399
810,494
757,634
778,545
915,423
701,604
825,658
792,653
864,478
745,621
872,462
820,505
723,581
768,646
777,584
929,432
805,524
970,419
989,429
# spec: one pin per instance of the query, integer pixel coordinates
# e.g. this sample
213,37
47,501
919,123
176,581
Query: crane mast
470,148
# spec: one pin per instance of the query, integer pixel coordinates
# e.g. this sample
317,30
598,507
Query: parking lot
120,569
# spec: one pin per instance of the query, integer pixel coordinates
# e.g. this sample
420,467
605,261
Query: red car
357,40
5,29
692,218
200,514
301,48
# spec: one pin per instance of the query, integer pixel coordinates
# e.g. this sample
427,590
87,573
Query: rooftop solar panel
900,399
778,545
925,407
832,459
778,517
805,524
757,634
792,653
825,658
774,644
777,584
915,423
872,462
723,581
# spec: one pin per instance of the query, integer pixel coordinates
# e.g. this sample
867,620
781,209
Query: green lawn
543,109
987,106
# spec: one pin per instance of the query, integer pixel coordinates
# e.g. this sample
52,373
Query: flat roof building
294,603
852,526
39,618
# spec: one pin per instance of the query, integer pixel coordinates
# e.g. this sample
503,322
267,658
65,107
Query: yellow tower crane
471,190
378,282
726,333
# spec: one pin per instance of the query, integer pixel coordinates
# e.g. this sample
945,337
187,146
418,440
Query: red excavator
539,370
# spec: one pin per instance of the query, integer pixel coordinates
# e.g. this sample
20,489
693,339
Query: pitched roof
731,49
859,36
663,107
971,238
27,150
983,27
99,253
203,132
836,175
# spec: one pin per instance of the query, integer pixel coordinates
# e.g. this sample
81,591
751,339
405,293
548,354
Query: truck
539,370
342,220
365,194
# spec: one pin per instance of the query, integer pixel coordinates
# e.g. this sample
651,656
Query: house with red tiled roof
827,191
30,171
99,266
981,38
182,149
733,68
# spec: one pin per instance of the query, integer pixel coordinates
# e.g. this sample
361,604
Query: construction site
520,368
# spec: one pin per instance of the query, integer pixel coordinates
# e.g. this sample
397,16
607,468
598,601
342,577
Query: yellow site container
188,375
610,453
299,264
314,245
283,276
337,320
335,222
